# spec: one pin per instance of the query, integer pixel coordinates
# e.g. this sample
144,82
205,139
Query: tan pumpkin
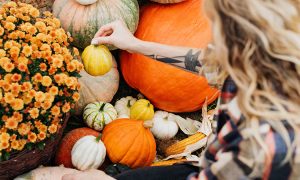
97,88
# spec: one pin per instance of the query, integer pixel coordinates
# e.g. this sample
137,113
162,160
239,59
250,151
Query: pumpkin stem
99,137
102,107
128,103
148,124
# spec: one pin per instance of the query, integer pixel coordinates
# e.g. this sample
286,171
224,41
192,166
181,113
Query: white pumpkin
164,125
86,2
97,115
123,106
88,153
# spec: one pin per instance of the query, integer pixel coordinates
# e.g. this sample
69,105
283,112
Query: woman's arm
117,34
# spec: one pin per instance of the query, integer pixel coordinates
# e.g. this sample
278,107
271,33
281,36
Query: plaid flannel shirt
234,156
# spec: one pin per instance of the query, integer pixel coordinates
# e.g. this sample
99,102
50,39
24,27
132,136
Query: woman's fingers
108,27
101,40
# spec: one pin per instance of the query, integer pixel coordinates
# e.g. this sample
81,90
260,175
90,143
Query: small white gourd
97,115
88,153
164,125
123,106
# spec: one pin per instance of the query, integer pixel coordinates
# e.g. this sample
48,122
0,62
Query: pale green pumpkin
83,20
97,115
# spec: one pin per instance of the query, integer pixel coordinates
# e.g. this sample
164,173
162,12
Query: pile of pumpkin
125,132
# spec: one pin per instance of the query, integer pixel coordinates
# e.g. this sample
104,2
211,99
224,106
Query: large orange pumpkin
167,87
63,154
129,142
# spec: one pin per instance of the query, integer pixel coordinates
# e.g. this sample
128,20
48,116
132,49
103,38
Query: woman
257,43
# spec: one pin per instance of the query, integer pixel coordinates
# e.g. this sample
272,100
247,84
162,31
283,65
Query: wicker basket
27,160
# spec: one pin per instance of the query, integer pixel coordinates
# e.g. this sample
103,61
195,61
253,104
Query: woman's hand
117,34
92,174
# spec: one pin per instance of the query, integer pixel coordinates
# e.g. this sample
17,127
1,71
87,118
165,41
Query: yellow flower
4,145
18,116
26,86
6,86
9,26
34,113
53,90
27,50
39,96
34,12
9,97
26,18
27,99
56,22
42,37
32,137
3,61
47,14
11,19
21,34
76,52
22,60
17,104
46,81
45,47
22,143
41,26
11,123
14,51
71,66
15,88
52,129
8,45
31,30
55,110
70,81
13,35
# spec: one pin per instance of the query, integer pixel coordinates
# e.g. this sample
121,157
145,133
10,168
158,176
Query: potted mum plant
38,86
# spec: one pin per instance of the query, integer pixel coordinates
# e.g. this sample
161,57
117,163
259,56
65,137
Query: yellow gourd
97,60
142,110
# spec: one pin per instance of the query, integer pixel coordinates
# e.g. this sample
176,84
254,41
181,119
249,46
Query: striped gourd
180,146
83,18
168,162
97,115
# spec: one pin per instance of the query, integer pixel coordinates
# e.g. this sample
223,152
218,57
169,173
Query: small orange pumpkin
129,142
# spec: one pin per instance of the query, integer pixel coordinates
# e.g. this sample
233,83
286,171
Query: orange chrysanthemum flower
52,70
71,66
43,67
4,137
9,26
17,104
46,105
41,136
37,104
66,107
26,86
32,137
39,96
1,31
31,30
13,137
14,144
3,61
32,93
79,67
11,123
42,128
53,90
34,113
41,26
6,86
13,35
22,67
55,110
46,81
27,50
38,77
16,77
76,96
2,53
8,97
76,52
9,67
52,129
57,63
22,60
15,88
18,116
27,99
4,145
11,19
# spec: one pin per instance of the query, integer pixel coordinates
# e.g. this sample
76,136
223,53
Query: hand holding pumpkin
116,34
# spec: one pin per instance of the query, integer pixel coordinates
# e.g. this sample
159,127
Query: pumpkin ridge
131,146
150,159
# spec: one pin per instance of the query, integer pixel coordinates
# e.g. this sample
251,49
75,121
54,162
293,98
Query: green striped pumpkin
83,19
97,115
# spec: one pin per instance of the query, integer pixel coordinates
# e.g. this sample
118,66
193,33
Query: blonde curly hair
257,42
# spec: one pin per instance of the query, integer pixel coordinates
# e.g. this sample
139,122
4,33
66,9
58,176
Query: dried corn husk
168,162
